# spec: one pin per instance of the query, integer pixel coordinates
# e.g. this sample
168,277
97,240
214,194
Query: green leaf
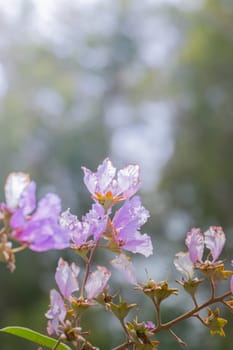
35,337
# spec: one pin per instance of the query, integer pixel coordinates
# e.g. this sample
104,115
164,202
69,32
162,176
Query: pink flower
56,314
97,281
215,240
104,186
126,225
66,278
195,243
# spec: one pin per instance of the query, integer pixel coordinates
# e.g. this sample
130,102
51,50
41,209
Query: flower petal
184,264
57,312
27,199
123,263
15,184
66,278
215,240
97,281
195,243
128,180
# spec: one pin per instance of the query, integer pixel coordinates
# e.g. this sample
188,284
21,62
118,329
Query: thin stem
88,266
19,249
200,319
195,300
212,288
179,340
125,330
78,325
192,312
158,312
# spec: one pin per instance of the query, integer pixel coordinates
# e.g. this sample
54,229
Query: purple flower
97,281
38,228
104,186
66,278
93,224
195,243
150,325
123,263
126,225
57,312
215,240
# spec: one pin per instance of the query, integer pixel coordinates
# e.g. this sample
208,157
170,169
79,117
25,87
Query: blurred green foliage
68,87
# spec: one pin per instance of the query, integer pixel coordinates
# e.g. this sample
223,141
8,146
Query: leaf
35,337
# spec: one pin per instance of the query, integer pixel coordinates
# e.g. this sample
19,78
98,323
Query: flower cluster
102,227
112,224
34,226
213,239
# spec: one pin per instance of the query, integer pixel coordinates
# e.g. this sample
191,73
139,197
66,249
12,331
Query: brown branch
192,312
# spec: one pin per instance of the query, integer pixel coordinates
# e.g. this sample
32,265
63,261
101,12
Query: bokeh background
147,81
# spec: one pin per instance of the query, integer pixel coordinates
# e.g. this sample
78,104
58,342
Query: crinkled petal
15,184
195,243
123,263
97,281
215,240
105,174
93,224
127,221
57,312
184,264
131,213
138,243
101,180
128,180
90,180
97,221
81,234
43,235
66,278
48,207
68,220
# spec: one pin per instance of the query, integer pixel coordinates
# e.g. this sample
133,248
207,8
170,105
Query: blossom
57,312
66,278
126,224
92,224
214,239
184,264
195,243
97,281
150,325
107,189
123,263
37,227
